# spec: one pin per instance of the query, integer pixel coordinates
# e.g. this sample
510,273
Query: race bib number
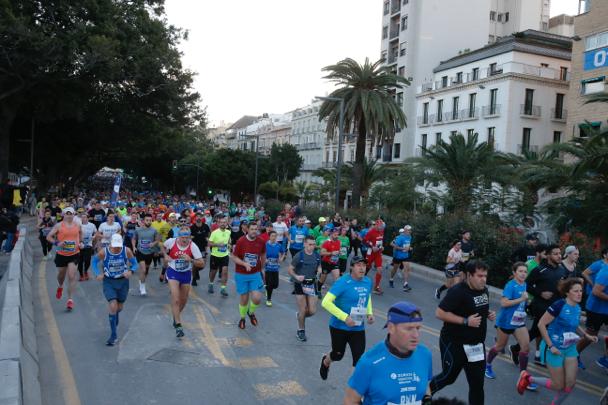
251,259
299,238
182,265
97,218
333,258
474,352
357,314
465,256
222,249
309,289
87,240
378,243
145,244
235,228
530,257
46,231
518,318
69,246
272,263
570,338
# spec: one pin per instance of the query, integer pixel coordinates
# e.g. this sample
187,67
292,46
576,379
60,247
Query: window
396,151
444,81
470,131
491,136
525,140
544,65
423,141
563,73
459,77
378,151
400,99
472,98
559,106
439,110
402,48
384,32
499,19
475,74
494,69
453,133
592,86
327,156
596,41
437,138
493,96
455,101
588,129
545,26
506,19
492,15
425,113
528,102
386,7
557,136
401,71
334,156
352,155
405,2
383,55
403,23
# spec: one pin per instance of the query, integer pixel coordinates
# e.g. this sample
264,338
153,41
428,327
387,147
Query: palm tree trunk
358,165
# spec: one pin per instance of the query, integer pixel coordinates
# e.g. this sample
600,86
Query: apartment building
512,93
589,68
417,35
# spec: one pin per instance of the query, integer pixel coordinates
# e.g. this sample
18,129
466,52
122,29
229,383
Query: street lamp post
31,142
340,140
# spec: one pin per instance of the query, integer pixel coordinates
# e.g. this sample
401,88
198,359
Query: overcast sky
257,56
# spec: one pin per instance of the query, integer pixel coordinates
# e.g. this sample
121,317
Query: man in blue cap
398,370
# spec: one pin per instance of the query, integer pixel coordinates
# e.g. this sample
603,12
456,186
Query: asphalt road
216,363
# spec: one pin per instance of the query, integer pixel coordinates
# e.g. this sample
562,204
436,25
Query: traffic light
175,165
209,192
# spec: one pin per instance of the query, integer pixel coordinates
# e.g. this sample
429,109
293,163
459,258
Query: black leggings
339,338
272,283
84,262
46,245
453,360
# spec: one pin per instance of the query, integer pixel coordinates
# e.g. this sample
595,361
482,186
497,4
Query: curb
19,369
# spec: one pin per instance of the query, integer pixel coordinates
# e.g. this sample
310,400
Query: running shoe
174,324
70,305
194,283
324,370
179,332
602,362
111,341
59,293
253,319
532,387
242,323
81,278
301,335
514,354
378,291
581,365
142,290
86,276
489,372
268,303
391,283
223,292
210,288
407,288
437,294
523,382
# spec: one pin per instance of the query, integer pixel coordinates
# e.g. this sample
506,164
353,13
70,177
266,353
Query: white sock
537,354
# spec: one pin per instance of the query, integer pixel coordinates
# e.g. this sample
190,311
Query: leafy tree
370,108
285,162
397,191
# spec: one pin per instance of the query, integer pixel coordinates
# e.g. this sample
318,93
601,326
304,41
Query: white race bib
357,314
251,259
309,289
299,238
474,352
518,318
570,338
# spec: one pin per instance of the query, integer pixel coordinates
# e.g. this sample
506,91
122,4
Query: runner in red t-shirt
330,253
374,240
249,256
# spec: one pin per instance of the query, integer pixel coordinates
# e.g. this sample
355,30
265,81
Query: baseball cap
357,259
403,312
569,250
116,240
401,230
68,209
322,219
327,228
408,227
307,221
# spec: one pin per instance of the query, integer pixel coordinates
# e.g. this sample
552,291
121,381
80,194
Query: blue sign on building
595,59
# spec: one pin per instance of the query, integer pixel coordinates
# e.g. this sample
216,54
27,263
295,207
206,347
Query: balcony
394,33
392,58
469,114
490,111
395,6
530,111
329,165
529,148
308,146
451,116
423,121
559,115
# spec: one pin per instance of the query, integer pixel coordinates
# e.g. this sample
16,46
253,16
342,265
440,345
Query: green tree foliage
104,82
370,108
397,191
285,162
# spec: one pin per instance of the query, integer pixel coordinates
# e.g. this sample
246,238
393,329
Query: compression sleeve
328,304
370,310
134,265
95,265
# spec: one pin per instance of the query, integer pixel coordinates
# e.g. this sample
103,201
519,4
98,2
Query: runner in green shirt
344,245
318,230
322,238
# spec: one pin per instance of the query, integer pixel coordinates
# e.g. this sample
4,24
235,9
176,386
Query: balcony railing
451,116
308,146
423,121
559,115
394,32
396,6
530,111
469,114
529,148
491,110
392,58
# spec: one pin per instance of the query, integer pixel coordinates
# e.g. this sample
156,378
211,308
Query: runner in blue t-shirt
274,256
398,370
558,327
297,233
591,272
350,304
597,314
402,255
511,320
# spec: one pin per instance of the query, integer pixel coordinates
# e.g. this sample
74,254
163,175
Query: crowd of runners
332,260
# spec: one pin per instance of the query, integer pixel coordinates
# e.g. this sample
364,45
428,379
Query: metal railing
530,111
491,110
423,120
308,146
559,115
529,148
469,114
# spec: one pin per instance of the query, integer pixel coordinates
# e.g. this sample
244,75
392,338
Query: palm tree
370,108
372,173
462,164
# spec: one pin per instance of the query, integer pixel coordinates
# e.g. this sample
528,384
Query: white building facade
418,35
512,93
